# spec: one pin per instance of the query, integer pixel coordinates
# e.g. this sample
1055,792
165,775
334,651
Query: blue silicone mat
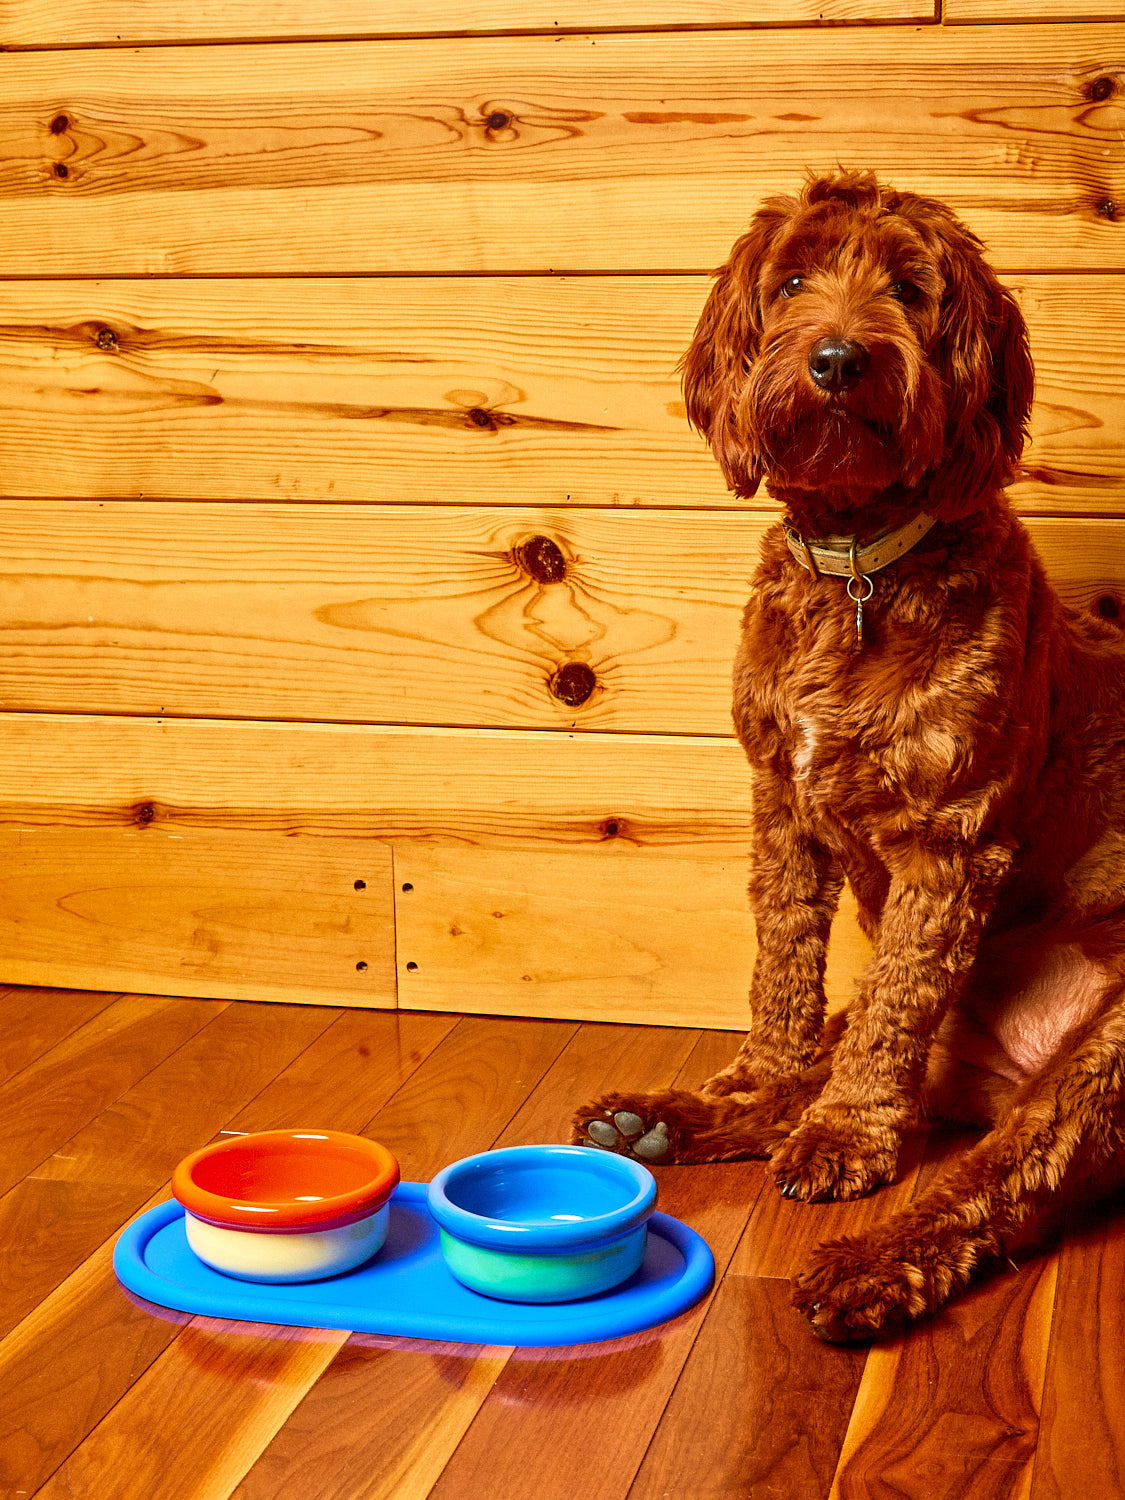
407,1291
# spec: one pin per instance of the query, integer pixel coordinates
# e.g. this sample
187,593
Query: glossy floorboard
1014,1392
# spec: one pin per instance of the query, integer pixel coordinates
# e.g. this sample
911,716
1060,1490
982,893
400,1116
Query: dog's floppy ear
1013,378
984,356
724,346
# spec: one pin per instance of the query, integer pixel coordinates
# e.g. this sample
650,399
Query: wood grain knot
60,125
106,339
1108,606
144,813
1098,90
499,120
542,559
573,683
1108,210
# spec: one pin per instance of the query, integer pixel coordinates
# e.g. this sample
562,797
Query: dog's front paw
822,1160
854,1291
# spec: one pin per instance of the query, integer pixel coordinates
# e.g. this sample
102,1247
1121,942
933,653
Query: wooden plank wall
368,605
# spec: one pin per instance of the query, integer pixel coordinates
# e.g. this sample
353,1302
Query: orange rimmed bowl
287,1205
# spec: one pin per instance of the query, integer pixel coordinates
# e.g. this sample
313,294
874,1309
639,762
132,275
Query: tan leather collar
843,557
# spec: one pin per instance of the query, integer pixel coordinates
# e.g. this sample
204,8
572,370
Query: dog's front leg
794,891
847,1141
747,1107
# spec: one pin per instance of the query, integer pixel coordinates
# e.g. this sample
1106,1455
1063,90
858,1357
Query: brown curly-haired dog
926,719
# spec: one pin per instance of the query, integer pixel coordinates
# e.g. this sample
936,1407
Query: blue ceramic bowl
543,1223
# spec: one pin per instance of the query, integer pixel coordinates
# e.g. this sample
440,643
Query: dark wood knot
573,683
542,559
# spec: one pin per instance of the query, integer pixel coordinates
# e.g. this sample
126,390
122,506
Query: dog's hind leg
1065,1127
675,1125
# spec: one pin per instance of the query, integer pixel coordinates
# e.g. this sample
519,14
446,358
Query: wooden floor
1018,1391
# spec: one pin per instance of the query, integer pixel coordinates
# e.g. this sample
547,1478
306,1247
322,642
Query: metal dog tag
866,589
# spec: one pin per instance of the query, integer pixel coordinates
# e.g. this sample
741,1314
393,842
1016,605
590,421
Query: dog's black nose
837,364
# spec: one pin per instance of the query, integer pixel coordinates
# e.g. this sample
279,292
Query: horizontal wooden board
1078,427
476,787
412,614
630,922
38,23
462,390
198,911
640,151
611,935
984,12
511,391
602,932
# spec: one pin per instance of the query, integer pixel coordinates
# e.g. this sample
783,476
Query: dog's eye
905,291
791,287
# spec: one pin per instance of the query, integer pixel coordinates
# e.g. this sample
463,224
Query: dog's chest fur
850,722
915,730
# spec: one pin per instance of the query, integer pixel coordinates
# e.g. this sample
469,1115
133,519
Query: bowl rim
281,1216
543,1234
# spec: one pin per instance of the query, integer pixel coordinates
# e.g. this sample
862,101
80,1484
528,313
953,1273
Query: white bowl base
306,1256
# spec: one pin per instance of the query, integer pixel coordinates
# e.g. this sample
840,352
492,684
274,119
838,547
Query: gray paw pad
654,1146
602,1133
629,1124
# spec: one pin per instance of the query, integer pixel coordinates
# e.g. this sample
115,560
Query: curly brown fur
964,770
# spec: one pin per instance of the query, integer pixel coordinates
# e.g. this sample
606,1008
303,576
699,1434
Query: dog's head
856,340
